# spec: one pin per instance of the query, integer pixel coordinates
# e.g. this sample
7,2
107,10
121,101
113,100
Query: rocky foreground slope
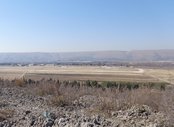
18,108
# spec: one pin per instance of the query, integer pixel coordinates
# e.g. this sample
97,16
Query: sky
85,25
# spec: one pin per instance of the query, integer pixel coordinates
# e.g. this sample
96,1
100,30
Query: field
80,73
165,75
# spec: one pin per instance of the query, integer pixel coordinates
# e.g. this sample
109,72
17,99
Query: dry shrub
68,94
111,99
114,100
19,82
5,114
167,105
59,101
145,96
46,89
60,94
106,107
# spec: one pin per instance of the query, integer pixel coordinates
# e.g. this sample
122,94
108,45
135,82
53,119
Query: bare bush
5,114
19,82
167,105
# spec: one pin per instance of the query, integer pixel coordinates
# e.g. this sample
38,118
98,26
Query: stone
27,112
49,123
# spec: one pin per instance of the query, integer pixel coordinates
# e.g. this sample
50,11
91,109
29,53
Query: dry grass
167,105
166,75
19,82
114,100
84,77
99,73
111,99
59,101
5,114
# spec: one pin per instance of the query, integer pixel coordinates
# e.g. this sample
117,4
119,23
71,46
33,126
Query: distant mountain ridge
116,56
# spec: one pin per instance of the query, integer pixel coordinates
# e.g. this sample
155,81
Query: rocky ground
21,109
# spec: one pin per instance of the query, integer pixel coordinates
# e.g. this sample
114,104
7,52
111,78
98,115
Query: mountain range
108,56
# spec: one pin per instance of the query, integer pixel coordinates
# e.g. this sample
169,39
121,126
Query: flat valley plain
82,73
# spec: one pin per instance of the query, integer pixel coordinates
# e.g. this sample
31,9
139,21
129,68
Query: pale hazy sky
85,25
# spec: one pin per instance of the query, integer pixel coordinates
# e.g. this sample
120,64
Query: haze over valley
99,56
